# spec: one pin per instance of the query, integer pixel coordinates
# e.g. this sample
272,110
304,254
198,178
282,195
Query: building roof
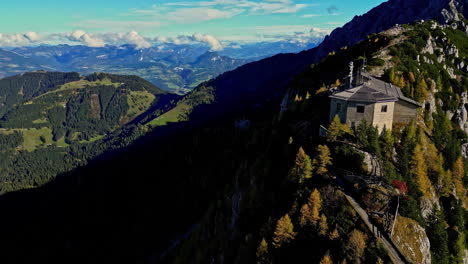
373,90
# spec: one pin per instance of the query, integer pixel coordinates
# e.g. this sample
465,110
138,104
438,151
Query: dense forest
49,118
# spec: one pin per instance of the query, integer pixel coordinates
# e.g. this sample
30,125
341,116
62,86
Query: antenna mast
351,68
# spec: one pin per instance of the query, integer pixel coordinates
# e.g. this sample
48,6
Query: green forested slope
48,115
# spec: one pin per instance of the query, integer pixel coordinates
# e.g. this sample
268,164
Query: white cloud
86,39
136,39
210,40
14,40
32,36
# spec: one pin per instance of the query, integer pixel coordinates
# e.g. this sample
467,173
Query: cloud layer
300,35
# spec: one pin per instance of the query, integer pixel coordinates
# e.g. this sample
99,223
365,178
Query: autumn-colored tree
458,174
310,211
334,234
402,82
356,245
302,168
401,187
326,260
411,77
421,90
262,249
323,225
284,232
306,215
308,95
334,130
419,170
323,159
315,203
337,83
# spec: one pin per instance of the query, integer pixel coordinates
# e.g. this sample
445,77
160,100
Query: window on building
384,109
360,109
338,107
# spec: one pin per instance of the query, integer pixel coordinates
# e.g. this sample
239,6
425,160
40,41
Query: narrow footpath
392,251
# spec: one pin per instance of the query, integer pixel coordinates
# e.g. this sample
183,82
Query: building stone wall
334,112
383,119
405,112
354,118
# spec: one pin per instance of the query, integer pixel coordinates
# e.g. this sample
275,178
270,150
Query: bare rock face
461,116
429,46
412,241
391,13
427,204
465,150
372,164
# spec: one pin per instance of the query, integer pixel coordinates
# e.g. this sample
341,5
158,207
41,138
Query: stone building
367,98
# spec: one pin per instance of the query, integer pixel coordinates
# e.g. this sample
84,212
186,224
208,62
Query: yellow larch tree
262,249
419,169
356,245
302,168
323,225
323,159
458,173
284,232
326,260
310,211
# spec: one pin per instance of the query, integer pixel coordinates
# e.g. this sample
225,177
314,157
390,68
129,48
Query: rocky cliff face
395,12
412,240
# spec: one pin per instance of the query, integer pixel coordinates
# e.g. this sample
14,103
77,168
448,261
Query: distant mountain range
175,68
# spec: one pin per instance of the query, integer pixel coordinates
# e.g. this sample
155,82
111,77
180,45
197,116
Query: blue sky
105,21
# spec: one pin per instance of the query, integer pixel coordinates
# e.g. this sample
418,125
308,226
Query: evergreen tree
435,163
302,168
437,234
405,151
284,232
387,142
323,159
391,76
